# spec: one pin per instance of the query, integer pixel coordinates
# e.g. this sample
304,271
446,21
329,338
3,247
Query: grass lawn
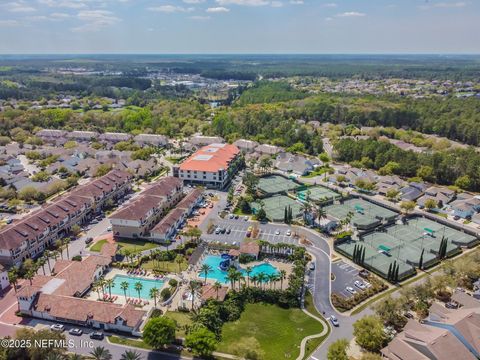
278,331
167,266
98,245
135,246
181,319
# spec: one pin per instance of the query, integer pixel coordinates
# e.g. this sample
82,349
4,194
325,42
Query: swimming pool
132,280
221,276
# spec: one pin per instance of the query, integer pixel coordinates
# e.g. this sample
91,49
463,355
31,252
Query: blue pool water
221,276
132,280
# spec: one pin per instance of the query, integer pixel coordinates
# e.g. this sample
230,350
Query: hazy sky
239,26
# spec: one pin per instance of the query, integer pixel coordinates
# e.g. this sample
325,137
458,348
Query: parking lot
345,275
274,233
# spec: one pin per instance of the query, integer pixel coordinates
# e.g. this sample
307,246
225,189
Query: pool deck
93,295
287,266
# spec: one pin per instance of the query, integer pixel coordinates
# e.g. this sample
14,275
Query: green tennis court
405,242
366,215
318,194
274,184
275,207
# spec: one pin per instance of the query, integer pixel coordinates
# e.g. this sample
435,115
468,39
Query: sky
239,26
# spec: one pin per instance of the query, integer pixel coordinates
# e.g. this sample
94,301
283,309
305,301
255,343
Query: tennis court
274,184
318,194
275,207
405,242
366,215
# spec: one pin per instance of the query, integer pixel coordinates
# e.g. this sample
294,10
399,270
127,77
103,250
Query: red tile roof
79,309
209,292
250,247
211,158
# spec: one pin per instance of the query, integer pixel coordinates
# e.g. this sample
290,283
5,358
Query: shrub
173,283
77,258
165,294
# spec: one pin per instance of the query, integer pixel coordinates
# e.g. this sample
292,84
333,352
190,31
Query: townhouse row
157,212
30,236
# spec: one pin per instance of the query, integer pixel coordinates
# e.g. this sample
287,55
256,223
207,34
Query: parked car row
96,335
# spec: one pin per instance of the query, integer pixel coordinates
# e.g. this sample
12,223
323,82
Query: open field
278,331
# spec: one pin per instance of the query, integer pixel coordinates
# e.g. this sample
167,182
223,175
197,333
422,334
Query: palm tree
131,355
271,279
261,279
205,269
41,262
231,277
254,280
306,208
283,276
47,254
66,242
100,353
54,356
13,278
124,286
96,287
59,244
138,286
217,286
75,357
30,274
110,283
248,270
321,213
154,292
193,286
179,261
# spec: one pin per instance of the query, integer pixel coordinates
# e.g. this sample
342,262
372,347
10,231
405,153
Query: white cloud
444,5
296,2
276,4
193,1
244,2
330,5
59,16
95,20
70,4
351,14
218,9
170,8
19,7
9,23
200,18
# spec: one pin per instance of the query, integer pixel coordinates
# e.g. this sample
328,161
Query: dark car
97,335
451,305
364,273
408,315
88,240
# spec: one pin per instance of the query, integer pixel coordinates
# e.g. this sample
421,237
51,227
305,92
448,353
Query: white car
57,327
277,232
288,233
334,321
351,290
360,285
109,228
231,216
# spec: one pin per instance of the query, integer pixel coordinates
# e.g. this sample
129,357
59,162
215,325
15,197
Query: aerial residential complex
29,237
211,166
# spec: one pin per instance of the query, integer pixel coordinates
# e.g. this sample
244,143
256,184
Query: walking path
303,344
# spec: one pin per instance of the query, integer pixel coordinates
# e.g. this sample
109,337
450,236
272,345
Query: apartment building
137,218
59,298
30,236
212,166
168,226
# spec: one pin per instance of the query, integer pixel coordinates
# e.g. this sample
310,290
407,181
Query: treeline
267,124
455,167
268,92
171,118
